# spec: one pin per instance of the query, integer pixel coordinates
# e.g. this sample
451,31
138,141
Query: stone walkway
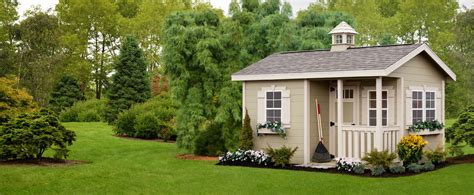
327,165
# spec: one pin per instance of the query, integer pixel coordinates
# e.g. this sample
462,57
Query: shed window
373,108
338,38
423,106
273,106
349,39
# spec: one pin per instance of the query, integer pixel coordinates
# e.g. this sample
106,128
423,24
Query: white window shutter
261,107
408,111
438,107
285,107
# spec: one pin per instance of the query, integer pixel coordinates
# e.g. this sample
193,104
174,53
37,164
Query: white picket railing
358,140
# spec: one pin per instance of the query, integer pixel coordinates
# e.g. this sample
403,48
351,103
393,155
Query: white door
350,116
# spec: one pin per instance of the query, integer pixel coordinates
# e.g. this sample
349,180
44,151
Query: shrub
65,93
437,156
383,158
359,168
397,169
428,166
377,170
147,120
29,135
84,111
130,83
347,164
463,129
210,142
13,101
410,148
246,134
281,156
456,150
249,156
414,167
146,126
89,116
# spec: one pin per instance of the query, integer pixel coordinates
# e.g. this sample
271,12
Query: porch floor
315,165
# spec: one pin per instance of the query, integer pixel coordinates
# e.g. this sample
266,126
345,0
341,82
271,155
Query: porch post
306,121
340,144
378,128
400,107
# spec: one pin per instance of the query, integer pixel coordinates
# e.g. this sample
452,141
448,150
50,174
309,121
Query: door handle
332,124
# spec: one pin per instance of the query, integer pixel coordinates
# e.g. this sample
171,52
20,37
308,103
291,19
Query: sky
222,4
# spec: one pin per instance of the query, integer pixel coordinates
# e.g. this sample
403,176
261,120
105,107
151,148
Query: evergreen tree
65,93
246,134
130,81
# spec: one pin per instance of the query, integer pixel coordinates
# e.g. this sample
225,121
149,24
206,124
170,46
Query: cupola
343,37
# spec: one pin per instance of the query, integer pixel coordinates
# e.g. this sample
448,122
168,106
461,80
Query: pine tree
246,134
65,93
130,83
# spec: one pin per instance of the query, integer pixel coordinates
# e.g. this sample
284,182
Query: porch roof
353,62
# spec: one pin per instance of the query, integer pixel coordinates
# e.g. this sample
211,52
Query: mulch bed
466,159
144,139
43,162
196,157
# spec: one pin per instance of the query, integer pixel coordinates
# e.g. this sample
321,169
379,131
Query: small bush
281,156
28,136
377,170
415,167
13,101
148,119
428,166
84,111
89,116
210,142
249,156
246,134
347,164
146,126
437,156
359,168
455,150
383,158
410,148
397,169
462,131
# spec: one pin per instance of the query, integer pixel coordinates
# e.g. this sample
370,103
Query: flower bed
246,157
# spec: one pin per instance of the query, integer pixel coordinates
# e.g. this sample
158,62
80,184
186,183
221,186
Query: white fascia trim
309,75
427,49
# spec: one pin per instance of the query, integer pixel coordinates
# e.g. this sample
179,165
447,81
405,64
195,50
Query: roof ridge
392,45
360,47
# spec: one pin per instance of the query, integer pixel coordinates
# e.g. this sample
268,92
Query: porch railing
358,140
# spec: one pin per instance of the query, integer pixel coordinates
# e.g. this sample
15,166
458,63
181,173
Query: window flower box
272,128
426,128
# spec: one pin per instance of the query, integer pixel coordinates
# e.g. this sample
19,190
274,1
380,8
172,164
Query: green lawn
132,166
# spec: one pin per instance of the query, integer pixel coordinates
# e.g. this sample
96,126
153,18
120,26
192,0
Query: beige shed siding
422,72
320,90
294,136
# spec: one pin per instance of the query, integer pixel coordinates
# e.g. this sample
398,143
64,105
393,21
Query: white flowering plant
250,156
275,126
348,164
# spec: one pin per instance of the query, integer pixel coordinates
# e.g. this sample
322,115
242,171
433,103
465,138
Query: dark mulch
171,140
449,161
43,162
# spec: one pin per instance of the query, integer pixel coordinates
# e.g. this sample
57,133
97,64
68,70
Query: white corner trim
306,121
411,55
244,108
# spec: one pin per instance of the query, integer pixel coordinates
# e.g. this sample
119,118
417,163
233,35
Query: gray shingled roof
353,59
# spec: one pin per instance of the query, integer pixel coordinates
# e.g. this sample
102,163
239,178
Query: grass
132,166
